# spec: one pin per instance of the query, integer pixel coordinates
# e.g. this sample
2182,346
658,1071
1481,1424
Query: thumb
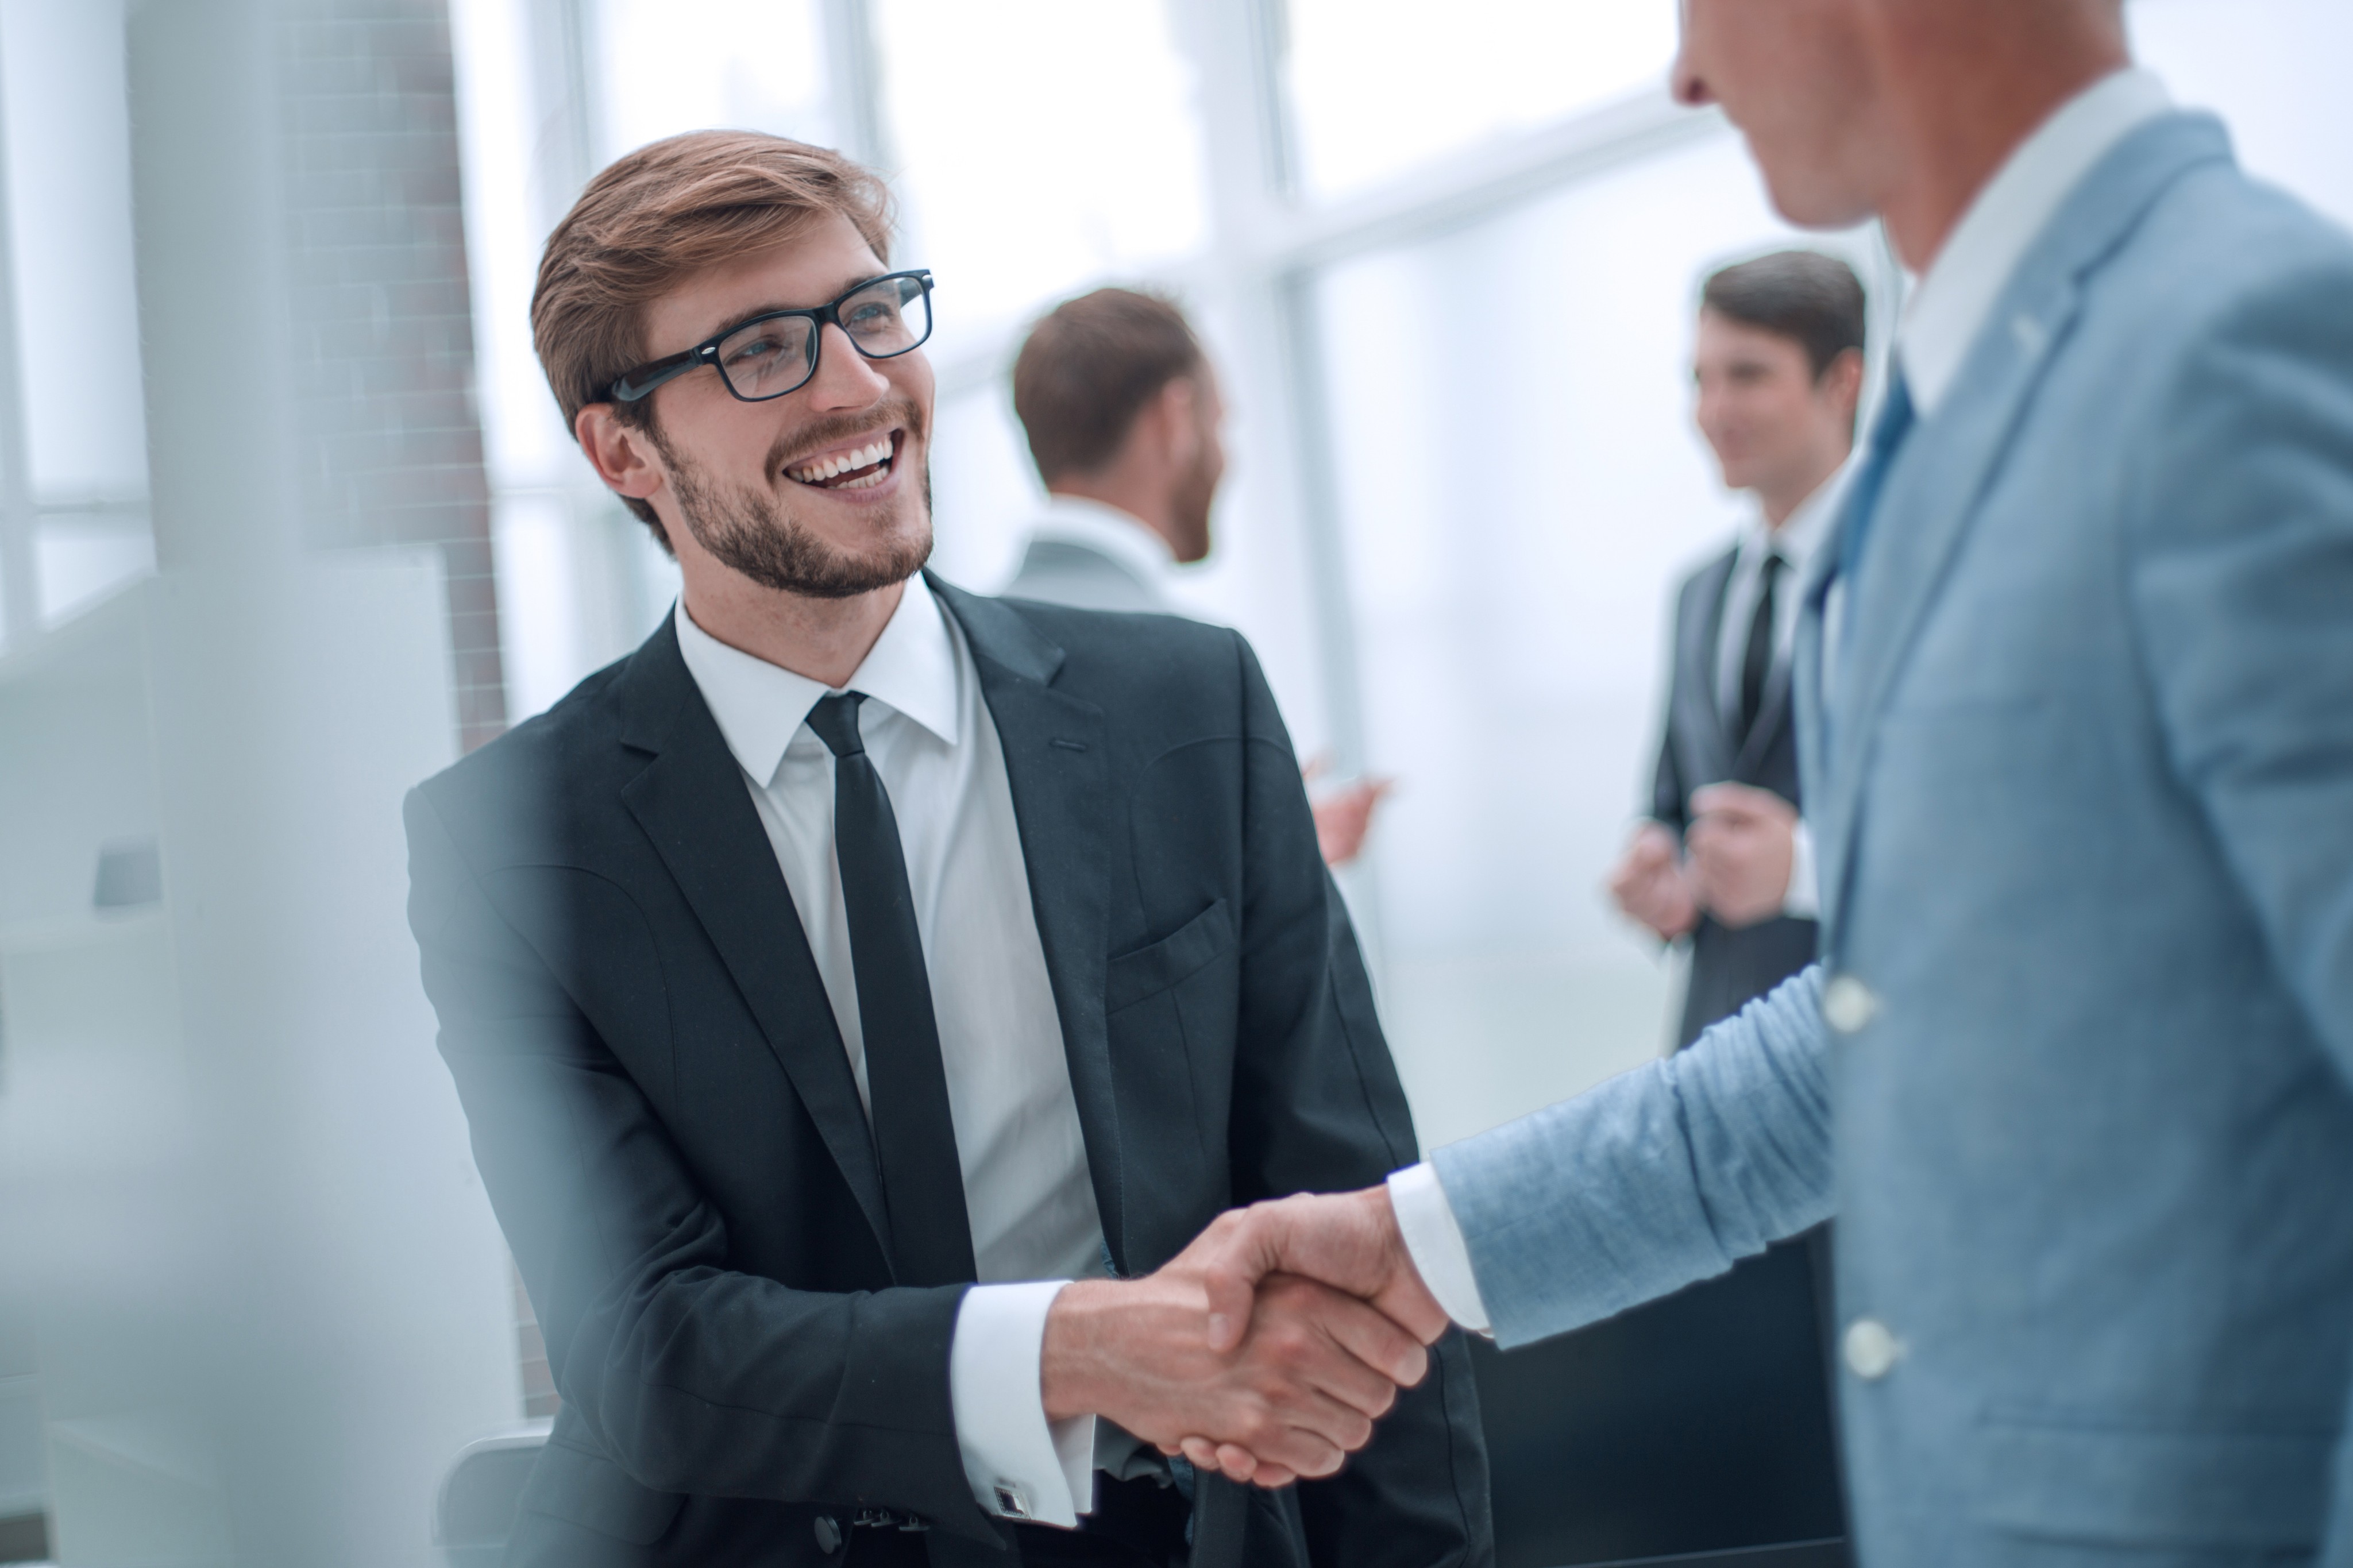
1234,1254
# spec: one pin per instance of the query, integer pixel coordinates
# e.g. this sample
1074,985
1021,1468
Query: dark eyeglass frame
632,385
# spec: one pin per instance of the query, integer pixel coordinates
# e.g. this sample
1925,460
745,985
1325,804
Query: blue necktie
1896,418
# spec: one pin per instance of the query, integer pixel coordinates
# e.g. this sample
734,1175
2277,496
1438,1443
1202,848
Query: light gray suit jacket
1064,572
2085,819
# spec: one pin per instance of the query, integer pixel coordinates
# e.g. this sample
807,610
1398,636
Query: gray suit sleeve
1662,1176
2240,573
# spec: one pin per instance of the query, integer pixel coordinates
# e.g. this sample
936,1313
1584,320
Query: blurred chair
476,1510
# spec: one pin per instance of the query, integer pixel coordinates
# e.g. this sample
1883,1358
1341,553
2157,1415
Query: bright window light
1379,86
693,64
1040,145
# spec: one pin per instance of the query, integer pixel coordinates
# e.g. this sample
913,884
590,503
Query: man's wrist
1020,1464
1073,1368
1433,1244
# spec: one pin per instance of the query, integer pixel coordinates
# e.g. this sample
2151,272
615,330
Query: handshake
1265,1350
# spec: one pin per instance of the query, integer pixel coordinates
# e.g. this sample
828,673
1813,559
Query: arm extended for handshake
1657,1178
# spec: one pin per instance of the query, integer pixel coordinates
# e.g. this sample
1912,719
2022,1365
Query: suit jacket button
1848,1005
828,1535
1872,1349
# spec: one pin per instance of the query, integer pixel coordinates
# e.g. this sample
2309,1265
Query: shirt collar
1092,525
1946,313
1801,533
911,668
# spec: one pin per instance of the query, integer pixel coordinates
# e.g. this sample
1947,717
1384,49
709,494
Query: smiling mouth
849,468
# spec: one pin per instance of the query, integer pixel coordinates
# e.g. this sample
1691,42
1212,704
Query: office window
1520,487
1380,87
693,64
1038,144
81,420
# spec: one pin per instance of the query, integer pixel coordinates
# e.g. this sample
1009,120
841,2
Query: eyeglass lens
770,358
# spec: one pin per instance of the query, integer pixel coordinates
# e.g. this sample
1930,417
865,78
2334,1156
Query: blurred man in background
1726,858
1122,412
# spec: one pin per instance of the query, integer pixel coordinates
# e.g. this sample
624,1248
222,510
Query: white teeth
818,473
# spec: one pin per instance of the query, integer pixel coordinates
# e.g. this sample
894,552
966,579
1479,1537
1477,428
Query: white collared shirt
1946,314
1027,1189
1107,531
1797,540
1942,322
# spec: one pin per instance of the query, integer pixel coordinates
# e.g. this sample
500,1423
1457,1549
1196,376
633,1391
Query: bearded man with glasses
863,994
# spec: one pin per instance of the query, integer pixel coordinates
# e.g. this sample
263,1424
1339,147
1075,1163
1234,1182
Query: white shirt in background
1107,531
1797,540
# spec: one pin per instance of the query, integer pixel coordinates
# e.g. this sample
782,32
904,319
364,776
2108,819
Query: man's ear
1179,410
1841,382
623,455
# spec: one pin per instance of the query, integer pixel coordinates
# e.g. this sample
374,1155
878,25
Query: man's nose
845,378
1683,79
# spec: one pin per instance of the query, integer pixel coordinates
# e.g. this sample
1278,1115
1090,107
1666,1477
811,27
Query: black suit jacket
666,1122
1729,967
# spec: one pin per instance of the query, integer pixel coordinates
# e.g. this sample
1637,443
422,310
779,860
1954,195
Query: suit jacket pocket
1149,971
592,1490
2058,1477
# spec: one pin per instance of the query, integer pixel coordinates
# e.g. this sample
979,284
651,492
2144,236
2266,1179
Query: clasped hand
1265,1350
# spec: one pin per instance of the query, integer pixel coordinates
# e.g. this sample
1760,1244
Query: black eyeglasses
775,353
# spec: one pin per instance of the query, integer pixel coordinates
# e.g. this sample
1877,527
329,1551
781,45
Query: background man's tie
907,1089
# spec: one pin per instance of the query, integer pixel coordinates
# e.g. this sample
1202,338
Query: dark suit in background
1729,968
667,1123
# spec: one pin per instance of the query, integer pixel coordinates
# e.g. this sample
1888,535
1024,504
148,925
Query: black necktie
1757,665
906,1087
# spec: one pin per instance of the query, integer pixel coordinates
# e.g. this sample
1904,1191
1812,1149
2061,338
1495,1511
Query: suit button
1872,1349
828,1535
1848,1005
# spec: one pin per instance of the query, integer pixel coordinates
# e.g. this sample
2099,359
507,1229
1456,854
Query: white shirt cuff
1803,901
1434,1240
1018,1464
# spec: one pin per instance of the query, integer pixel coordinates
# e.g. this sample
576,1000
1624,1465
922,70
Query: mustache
788,449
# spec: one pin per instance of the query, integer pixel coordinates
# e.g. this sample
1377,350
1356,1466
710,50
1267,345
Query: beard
1189,508
753,530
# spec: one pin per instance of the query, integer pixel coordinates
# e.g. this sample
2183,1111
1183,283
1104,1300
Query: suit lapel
1058,770
1925,508
693,803
1939,477
1698,716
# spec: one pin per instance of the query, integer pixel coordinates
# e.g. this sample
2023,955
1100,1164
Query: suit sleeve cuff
1018,1464
1803,901
1434,1241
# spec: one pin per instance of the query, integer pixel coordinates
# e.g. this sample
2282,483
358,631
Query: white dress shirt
1027,1189
1105,529
1797,540
1946,314
1942,322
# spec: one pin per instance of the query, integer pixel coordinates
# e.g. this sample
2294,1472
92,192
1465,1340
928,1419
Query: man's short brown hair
1803,295
1089,367
662,214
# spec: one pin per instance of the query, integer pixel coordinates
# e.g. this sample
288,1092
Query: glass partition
1519,489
